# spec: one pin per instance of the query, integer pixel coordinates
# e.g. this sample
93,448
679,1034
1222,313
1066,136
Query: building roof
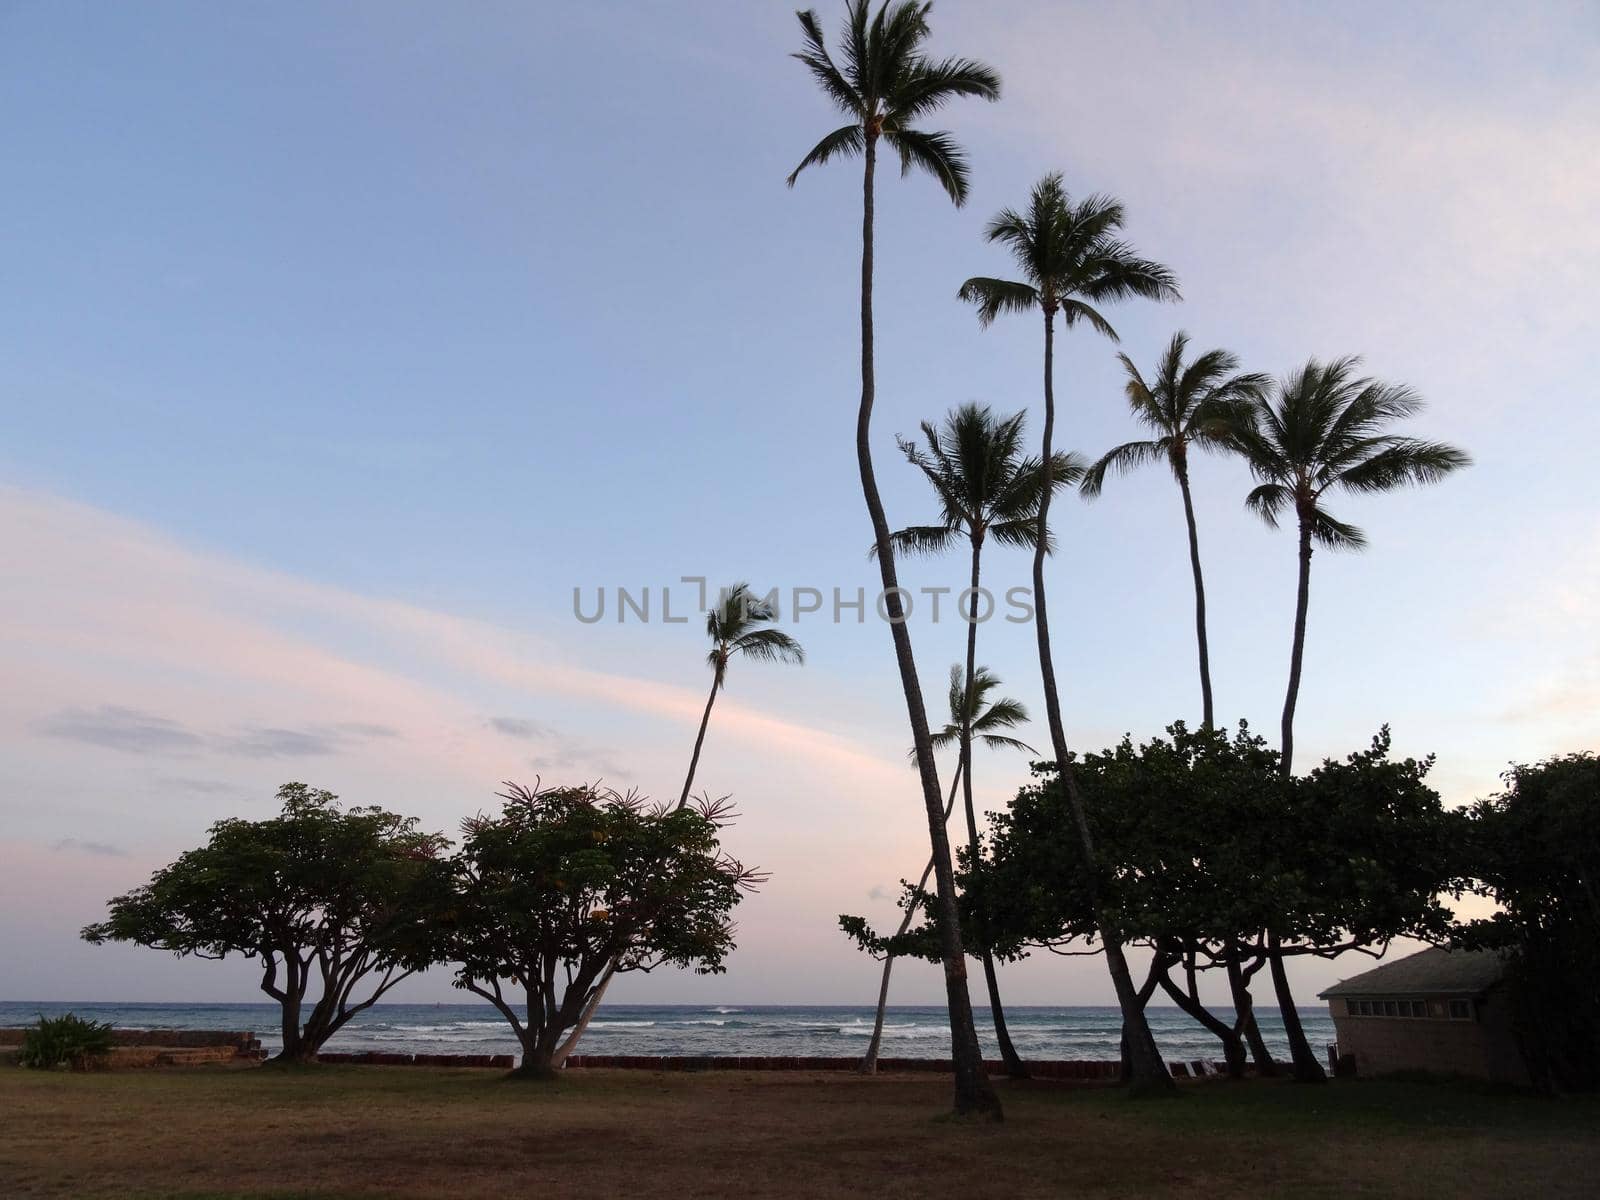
1432,972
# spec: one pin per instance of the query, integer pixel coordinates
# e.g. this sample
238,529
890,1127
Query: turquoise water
756,1029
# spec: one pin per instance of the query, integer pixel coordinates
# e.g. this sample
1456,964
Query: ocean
722,1029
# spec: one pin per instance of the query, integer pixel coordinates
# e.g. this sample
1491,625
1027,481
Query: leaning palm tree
1072,260
972,716
739,626
987,489
1324,429
885,85
1185,406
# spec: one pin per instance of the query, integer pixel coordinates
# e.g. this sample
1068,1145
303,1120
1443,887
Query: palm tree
887,84
1184,406
1071,260
1321,430
986,488
738,627
971,715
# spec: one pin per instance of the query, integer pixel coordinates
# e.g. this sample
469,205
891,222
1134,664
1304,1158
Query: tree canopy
326,898
567,886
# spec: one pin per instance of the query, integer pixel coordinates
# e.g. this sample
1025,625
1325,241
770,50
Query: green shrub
62,1041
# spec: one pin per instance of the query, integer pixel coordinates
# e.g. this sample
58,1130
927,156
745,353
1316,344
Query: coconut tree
1184,406
973,717
885,84
1323,430
739,626
987,488
1072,260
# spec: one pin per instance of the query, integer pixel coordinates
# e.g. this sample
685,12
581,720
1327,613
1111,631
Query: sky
339,345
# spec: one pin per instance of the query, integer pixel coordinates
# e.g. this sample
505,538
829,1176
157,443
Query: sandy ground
375,1131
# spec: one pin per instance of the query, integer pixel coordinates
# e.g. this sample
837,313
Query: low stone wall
244,1042
1087,1069
378,1058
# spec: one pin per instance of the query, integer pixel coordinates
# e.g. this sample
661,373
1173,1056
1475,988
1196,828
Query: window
1460,1010
1388,1008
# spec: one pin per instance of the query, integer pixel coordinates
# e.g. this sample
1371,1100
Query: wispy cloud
113,727
84,846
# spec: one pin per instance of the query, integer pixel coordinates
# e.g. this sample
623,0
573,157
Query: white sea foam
621,1024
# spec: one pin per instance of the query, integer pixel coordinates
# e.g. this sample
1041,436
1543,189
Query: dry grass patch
374,1131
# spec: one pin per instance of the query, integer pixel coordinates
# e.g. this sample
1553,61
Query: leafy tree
1214,847
1185,406
326,899
1536,851
568,886
886,85
1072,260
1321,430
739,627
987,489
987,720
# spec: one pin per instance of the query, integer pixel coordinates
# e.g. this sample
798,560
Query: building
1442,1011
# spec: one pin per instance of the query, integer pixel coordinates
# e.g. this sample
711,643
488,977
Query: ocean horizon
1090,1032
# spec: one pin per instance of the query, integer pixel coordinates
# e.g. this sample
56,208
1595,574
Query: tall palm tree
972,715
887,84
986,488
1071,260
1324,429
739,626
1185,406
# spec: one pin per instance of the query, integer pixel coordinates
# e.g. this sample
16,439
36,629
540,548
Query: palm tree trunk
1148,1071
705,719
1307,1069
1008,1052
1297,654
1207,720
973,1091
869,1060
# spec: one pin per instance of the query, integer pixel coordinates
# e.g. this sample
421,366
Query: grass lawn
375,1131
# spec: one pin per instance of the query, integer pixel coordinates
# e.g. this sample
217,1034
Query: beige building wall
1483,1048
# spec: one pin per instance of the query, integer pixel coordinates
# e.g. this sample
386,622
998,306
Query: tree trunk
974,1093
1149,1072
705,719
1008,1053
1125,1045
1297,654
1232,1043
1244,1015
559,1059
1208,718
869,1060
1307,1067
295,1048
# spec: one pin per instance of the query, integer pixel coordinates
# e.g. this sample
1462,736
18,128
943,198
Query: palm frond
1333,533
1122,459
921,540
1073,311
769,645
936,153
1268,501
843,142
996,296
931,85
817,60
1406,462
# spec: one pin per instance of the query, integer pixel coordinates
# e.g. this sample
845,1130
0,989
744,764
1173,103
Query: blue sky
337,345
